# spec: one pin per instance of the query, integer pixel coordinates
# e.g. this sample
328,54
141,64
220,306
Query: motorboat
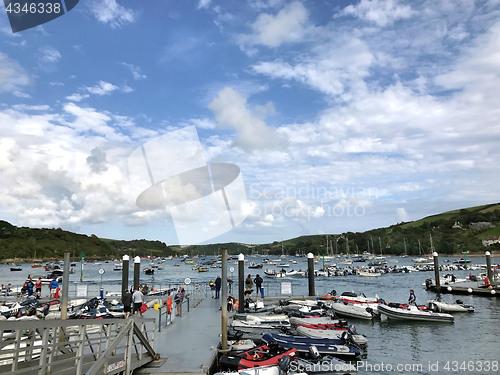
245,325
369,274
328,334
295,273
413,313
355,297
312,320
260,356
274,273
335,347
457,306
149,271
350,310
255,265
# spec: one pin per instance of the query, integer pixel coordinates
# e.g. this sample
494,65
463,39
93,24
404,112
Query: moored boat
457,306
414,314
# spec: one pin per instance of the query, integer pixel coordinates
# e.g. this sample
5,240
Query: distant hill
452,232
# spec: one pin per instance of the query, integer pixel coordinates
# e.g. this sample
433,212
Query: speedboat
335,347
350,311
328,334
255,265
414,314
457,306
260,356
369,274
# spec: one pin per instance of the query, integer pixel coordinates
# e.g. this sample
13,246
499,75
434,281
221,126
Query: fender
169,305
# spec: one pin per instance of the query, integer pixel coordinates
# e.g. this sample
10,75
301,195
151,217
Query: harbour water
469,345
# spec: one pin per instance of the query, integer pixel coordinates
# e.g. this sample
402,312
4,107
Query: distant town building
490,240
457,225
482,225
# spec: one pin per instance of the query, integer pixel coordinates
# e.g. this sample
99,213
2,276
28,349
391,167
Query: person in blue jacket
53,287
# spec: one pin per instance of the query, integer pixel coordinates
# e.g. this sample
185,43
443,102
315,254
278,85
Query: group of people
249,283
136,299
29,285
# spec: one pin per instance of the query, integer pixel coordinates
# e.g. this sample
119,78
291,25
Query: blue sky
342,115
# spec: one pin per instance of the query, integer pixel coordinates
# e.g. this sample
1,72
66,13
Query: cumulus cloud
110,12
203,4
271,31
380,12
77,97
402,215
230,109
102,88
12,75
135,70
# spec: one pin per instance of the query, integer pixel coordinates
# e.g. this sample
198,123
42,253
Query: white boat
414,314
345,262
267,318
369,274
320,320
350,311
328,334
295,273
457,306
351,296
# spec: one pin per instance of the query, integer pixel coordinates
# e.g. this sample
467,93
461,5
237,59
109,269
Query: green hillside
28,243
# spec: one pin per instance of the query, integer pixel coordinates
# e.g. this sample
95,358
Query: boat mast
327,245
380,244
373,247
347,245
404,241
419,247
432,245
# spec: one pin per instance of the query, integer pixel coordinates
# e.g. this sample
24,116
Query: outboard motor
459,302
333,292
46,309
314,352
284,364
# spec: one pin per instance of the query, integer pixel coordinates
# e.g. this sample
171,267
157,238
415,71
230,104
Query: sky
341,115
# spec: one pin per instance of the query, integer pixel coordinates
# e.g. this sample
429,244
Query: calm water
471,340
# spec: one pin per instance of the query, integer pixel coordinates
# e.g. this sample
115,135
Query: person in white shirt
138,299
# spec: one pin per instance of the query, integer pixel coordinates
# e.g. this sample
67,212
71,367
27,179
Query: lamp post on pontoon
436,271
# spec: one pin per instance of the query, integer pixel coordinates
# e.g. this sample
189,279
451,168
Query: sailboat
422,259
381,256
347,261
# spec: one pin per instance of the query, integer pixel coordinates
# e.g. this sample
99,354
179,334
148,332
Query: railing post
159,319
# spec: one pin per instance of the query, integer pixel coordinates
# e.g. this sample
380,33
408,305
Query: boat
118,267
369,274
355,297
203,269
295,320
295,273
413,313
461,261
328,334
345,262
16,269
260,356
255,265
251,324
149,271
274,273
36,265
457,306
335,347
351,311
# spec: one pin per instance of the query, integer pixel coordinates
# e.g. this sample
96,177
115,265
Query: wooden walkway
189,344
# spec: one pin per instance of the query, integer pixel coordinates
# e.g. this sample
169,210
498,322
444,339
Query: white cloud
77,97
12,75
49,55
136,71
203,4
202,123
110,12
21,94
402,215
102,88
230,109
380,12
271,31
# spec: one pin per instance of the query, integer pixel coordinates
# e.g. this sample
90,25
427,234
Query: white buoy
449,289
469,290
493,292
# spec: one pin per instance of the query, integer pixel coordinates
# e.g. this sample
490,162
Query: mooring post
489,271
64,302
310,273
224,300
436,271
241,283
137,271
125,265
